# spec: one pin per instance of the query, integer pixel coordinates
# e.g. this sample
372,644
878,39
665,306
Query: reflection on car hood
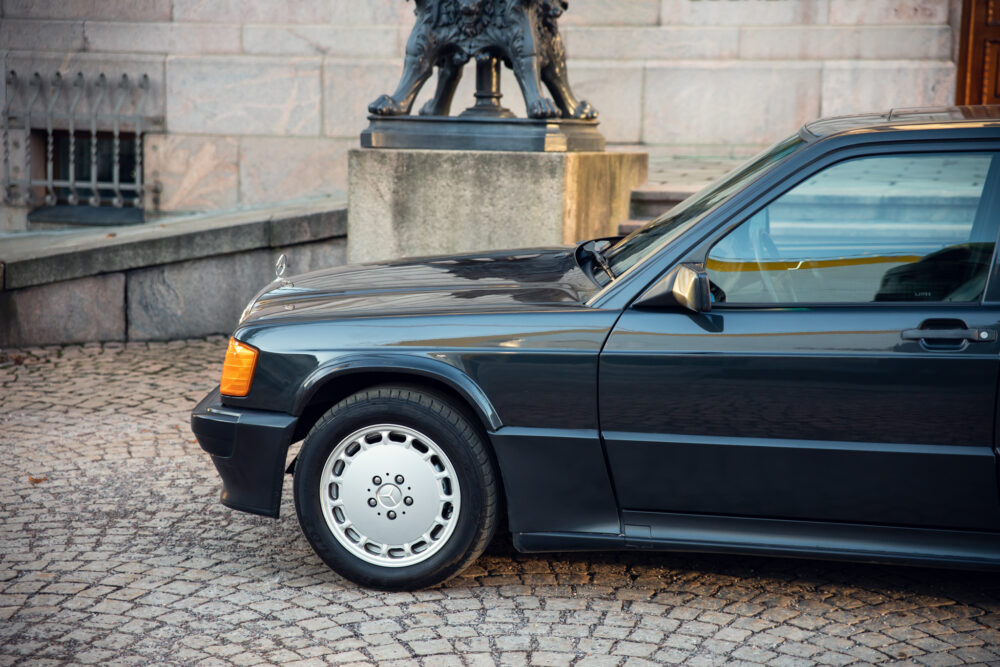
538,278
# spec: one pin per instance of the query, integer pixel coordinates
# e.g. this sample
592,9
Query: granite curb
43,258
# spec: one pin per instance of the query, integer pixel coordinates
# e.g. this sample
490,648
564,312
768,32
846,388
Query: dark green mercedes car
800,360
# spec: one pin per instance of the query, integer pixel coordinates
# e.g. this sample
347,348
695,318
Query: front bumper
248,448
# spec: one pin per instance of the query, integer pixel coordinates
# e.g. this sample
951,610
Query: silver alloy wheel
390,495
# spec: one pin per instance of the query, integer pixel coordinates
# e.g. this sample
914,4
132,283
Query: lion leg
421,54
538,105
449,74
522,52
557,81
416,71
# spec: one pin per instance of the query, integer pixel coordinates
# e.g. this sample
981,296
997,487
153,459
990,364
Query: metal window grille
87,133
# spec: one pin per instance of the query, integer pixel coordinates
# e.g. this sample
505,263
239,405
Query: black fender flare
403,364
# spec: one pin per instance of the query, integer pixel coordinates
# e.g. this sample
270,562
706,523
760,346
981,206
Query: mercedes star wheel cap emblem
390,495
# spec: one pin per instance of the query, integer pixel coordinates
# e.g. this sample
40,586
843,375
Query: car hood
537,278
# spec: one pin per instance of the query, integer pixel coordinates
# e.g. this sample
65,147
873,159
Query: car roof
906,119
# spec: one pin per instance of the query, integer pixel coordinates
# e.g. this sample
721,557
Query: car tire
395,489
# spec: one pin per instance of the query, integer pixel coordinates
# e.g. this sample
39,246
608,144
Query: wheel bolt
399,479
376,480
407,500
372,502
391,514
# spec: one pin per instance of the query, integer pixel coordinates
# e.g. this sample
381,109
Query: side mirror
687,285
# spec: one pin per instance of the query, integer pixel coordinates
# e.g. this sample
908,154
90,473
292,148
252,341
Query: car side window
890,228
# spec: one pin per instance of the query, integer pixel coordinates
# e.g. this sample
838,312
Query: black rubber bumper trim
248,448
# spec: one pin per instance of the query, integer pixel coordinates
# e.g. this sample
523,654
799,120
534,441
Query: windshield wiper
591,248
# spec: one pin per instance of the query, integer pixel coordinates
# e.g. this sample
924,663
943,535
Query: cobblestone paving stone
124,555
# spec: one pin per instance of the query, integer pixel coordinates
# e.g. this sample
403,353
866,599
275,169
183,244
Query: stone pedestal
409,203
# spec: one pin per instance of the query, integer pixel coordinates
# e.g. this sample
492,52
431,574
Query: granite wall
187,277
262,100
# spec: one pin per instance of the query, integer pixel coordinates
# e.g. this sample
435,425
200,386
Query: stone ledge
45,258
171,300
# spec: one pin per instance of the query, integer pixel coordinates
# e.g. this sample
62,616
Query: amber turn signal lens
237,370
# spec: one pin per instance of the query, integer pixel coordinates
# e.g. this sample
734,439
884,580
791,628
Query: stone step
674,175
629,226
652,200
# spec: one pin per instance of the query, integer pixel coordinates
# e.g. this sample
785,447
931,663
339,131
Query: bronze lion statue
522,34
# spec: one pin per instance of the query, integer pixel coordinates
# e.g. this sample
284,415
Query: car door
848,368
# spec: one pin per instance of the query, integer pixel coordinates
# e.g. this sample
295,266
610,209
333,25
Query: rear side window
894,228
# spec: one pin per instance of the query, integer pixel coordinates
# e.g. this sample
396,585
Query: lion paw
543,107
386,106
584,111
429,108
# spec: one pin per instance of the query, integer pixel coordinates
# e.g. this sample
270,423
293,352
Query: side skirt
776,537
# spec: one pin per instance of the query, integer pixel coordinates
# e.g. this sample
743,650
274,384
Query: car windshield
645,241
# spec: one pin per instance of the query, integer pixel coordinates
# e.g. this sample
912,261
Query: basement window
92,180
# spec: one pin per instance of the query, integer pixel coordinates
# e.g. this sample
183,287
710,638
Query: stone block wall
262,100
188,277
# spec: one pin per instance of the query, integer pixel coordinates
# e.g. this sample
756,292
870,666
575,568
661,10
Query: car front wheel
394,489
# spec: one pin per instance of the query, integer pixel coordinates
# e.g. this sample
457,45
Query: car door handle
971,335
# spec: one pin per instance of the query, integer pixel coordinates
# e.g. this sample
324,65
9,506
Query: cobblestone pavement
123,554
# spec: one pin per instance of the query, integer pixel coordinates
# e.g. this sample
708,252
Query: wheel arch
328,385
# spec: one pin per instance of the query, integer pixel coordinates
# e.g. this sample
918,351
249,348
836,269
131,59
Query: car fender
421,365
